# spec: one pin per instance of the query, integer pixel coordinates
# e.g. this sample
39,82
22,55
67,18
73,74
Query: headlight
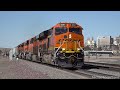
63,49
78,49
70,36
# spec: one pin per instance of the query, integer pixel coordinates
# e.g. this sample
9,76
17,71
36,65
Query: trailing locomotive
61,45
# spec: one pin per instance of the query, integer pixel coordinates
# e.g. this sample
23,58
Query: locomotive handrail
59,48
63,43
80,46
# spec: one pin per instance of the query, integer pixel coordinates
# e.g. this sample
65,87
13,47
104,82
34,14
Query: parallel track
86,73
97,75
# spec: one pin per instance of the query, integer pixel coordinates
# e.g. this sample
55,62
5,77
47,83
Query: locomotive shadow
88,66
85,67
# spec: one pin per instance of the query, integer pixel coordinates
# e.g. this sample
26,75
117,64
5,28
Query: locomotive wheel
72,60
41,60
54,63
34,57
30,58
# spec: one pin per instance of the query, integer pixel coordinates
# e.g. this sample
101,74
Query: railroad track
96,75
105,66
89,74
86,73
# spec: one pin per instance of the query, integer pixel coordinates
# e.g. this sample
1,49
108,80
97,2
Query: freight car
61,45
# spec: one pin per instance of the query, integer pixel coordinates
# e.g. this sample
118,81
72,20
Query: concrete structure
118,39
12,53
90,42
105,42
117,43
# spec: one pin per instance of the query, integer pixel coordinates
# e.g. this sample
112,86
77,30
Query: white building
90,42
117,42
104,42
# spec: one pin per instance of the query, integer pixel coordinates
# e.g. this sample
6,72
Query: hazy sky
18,26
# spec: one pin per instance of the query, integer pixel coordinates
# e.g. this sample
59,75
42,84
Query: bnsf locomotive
61,45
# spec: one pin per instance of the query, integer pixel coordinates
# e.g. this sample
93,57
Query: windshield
60,31
75,30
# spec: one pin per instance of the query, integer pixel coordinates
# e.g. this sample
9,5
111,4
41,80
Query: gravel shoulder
22,69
